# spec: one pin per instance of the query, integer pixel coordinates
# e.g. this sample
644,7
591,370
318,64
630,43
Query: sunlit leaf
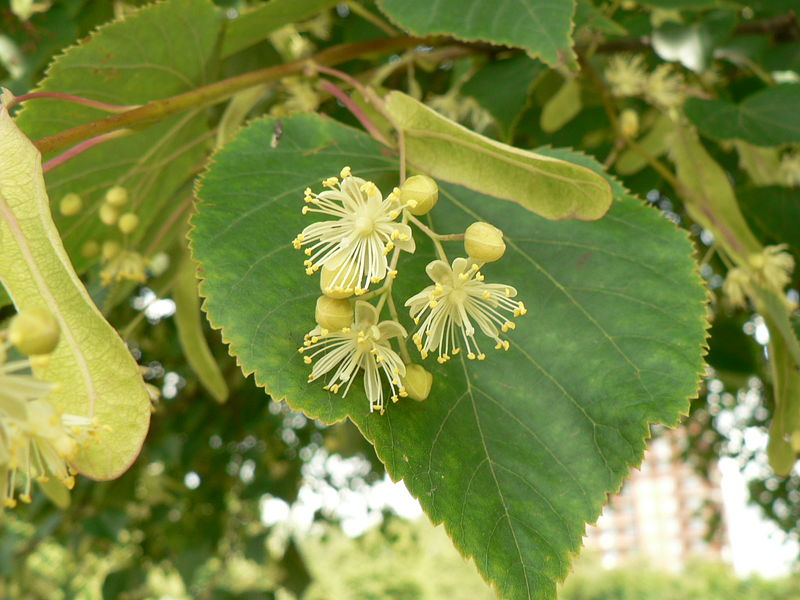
515,453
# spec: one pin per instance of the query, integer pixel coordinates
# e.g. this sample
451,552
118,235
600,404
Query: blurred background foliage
187,520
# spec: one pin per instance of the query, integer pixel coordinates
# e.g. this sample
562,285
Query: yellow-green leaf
553,188
562,107
190,332
95,374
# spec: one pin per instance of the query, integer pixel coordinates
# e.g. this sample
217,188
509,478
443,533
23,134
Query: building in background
664,513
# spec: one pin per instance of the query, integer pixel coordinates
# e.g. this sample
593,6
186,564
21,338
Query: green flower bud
484,242
422,192
629,123
34,331
326,279
108,214
417,382
110,249
117,196
333,314
90,249
128,222
70,205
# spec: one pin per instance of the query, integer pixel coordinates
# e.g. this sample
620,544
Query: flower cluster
627,76
355,245
770,269
37,442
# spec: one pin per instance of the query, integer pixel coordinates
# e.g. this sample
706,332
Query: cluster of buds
120,262
627,76
357,246
37,442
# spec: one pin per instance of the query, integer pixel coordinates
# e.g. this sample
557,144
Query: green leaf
514,454
517,74
542,27
190,332
555,189
766,118
588,15
655,142
773,213
95,374
255,25
157,51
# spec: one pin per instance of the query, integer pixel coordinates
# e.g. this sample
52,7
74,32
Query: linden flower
362,347
458,298
626,75
34,438
355,244
665,87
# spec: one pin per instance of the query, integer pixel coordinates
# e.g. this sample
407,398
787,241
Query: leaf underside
515,453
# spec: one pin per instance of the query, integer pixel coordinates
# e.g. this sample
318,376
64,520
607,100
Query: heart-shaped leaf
515,453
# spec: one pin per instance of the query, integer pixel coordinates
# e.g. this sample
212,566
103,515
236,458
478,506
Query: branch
158,110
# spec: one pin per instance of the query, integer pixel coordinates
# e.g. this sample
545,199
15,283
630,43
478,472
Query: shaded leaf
514,454
517,76
766,118
157,51
773,212
95,373
542,27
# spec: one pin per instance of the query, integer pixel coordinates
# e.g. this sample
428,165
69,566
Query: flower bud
332,287
484,242
110,249
90,249
333,314
417,382
117,196
629,123
34,331
128,222
108,214
70,205
422,190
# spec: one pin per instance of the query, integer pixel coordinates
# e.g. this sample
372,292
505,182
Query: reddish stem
104,106
83,147
354,108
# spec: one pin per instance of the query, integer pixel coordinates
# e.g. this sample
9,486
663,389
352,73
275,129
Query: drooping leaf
160,50
562,106
542,27
766,118
517,76
255,25
555,189
514,454
190,332
95,374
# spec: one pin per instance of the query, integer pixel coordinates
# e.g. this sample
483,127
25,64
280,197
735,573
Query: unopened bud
117,196
70,204
90,249
629,123
423,191
34,331
110,249
108,214
333,314
483,242
128,222
417,382
333,287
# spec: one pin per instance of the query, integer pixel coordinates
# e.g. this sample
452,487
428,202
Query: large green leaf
160,50
95,374
766,118
514,454
773,212
542,27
